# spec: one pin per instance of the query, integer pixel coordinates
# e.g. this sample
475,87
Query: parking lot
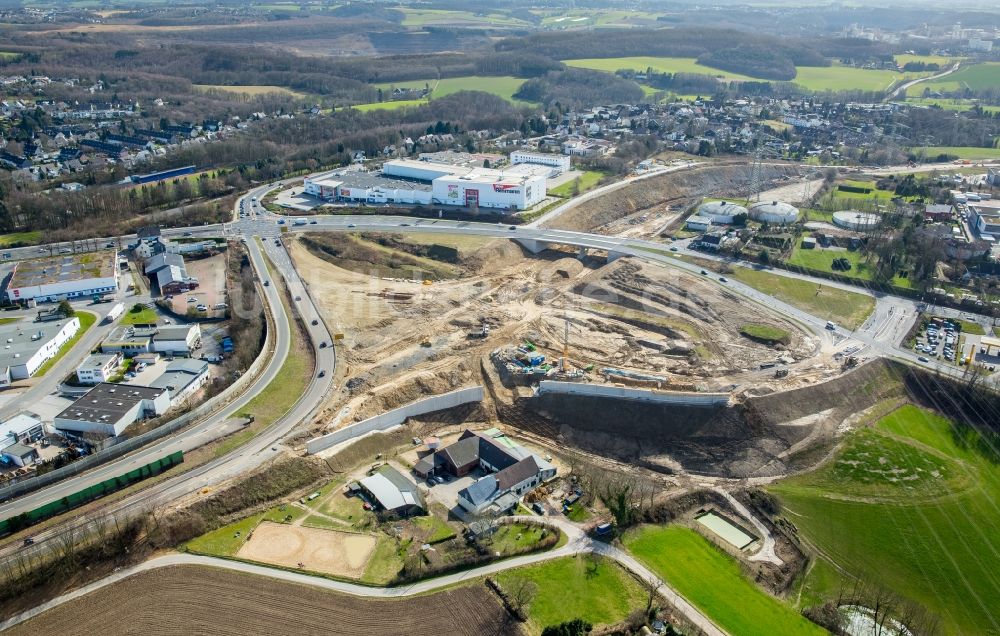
940,339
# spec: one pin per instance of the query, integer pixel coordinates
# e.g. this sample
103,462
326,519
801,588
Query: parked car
923,359
202,308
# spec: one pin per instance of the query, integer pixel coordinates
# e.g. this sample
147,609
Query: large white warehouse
425,183
774,212
63,277
519,187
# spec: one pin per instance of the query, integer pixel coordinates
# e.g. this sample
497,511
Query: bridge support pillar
532,245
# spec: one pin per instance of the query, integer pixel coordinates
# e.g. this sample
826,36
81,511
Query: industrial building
721,212
108,409
27,347
558,163
131,340
986,222
170,274
774,212
153,177
698,223
15,436
425,183
182,379
65,277
857,221
98,367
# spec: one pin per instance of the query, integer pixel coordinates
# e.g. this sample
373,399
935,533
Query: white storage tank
720,211
854,220
775,212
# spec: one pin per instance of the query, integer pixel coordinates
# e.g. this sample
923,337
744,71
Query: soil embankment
750,439
653,193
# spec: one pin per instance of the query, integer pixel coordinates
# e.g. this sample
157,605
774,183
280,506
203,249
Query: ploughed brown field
204,600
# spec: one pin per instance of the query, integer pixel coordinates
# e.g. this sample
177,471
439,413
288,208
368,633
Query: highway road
263,446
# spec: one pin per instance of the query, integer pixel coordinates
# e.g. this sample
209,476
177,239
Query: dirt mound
714,180
492,256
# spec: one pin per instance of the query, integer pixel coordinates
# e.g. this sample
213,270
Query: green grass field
931,538
942,60
975,76
658,64
822,260
840,78
588,181
962,152
248,90
29,238
503,86
596,590
87,321
846,308
951,104
402,103
712,581
145,317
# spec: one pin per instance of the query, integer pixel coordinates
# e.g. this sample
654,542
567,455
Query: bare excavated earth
652,194
756,438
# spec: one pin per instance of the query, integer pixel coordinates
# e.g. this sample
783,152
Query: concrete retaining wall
396,417
621,393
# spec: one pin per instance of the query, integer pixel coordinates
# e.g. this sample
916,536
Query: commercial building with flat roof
349,184
108,409
27,346
559,163
63,277
129,340
426,182
98,367
182,379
